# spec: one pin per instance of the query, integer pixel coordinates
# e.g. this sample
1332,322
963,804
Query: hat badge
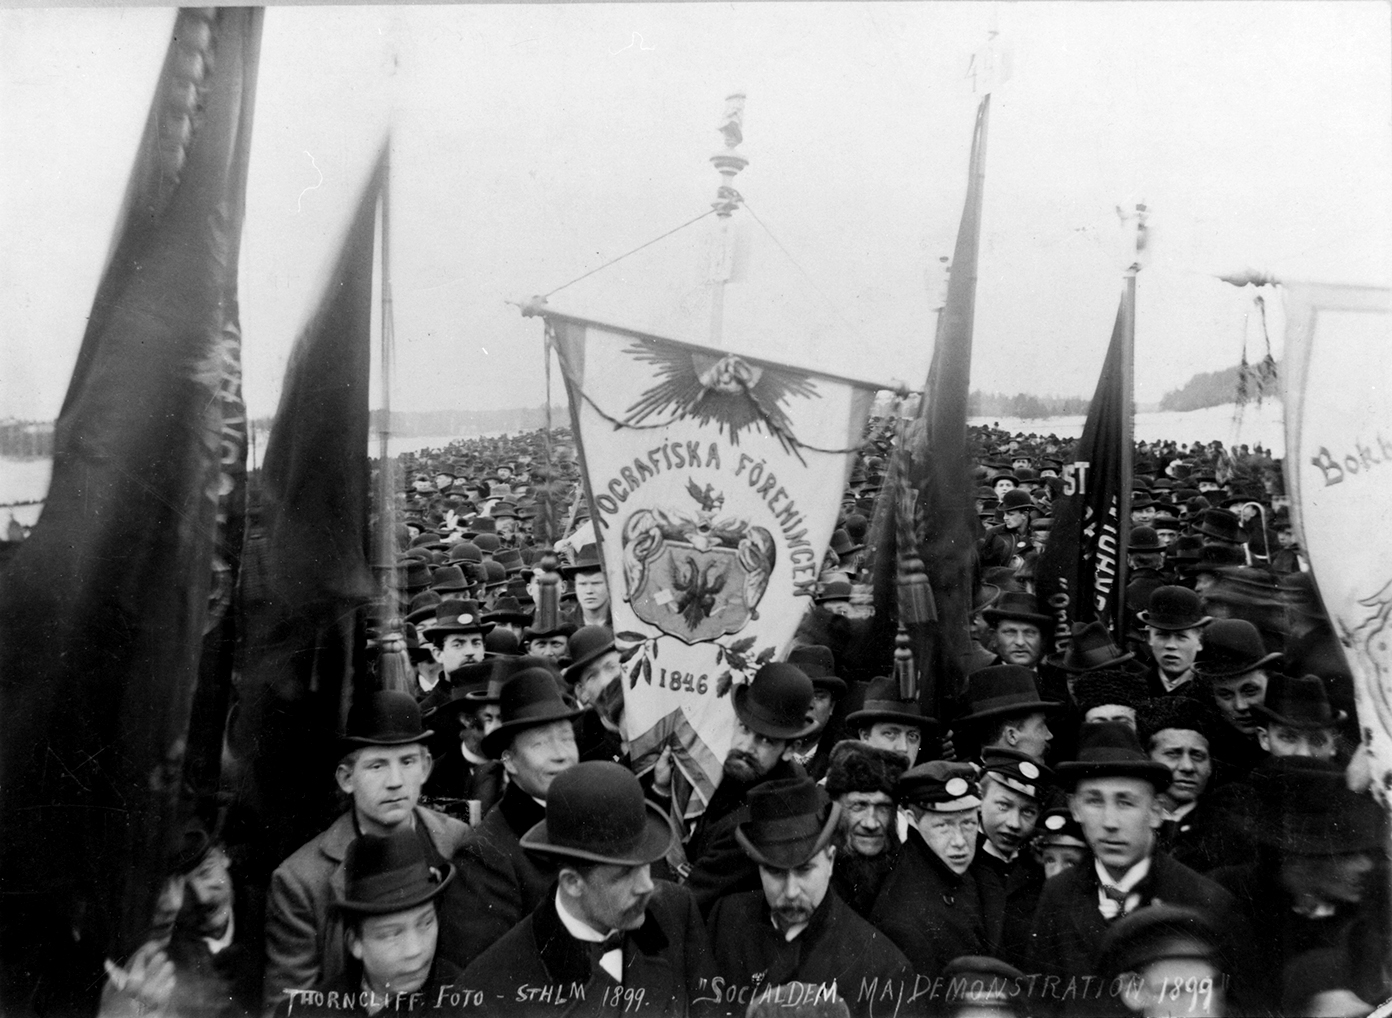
1054,822
465,619
956,787
1029,770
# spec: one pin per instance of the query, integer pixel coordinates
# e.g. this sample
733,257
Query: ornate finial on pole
730,161
1134,223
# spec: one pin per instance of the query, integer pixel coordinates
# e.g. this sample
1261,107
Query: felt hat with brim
448,580
416,575
1300,703
1001,690
465,551
501,642
384,718
587,645
528,699
1018,606
790,821
1110,749
587,560
509,558
1220,525
818,664
596,812
488,543
1155,933
1231,647
505,668
1090,649
882,705
423,607
458,617
841,543
507,610
1144,539
836,590
386,874
1016,500
538,632
774,703
984,597
1172,609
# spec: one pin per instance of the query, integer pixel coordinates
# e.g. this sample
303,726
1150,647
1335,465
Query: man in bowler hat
770,716
606,938
536,743
818,664
796,928
384,764
1174,621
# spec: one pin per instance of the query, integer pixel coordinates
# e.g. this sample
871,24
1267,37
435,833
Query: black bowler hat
1144,539
536,632
1300,703
1091,649
818,664
1016,500
528,699
775,702
882,703
1221,525
507,609
790,821
389,874
1003,689
386,718
1019,606
1231,647
1110,749
587,645
596,812
1174,608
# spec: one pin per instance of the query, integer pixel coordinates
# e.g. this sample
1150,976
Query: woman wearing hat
605,937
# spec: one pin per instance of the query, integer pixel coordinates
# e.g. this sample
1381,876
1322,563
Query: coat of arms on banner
694,576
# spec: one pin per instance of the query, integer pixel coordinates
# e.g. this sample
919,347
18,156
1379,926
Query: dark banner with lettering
1081,575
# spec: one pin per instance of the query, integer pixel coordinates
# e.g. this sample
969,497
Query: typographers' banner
1339,474
715,481
1081,574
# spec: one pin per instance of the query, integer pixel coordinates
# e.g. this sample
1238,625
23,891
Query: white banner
1338,382
715,481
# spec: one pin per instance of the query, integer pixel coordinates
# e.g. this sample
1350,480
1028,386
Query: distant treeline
458,423
1023,404
1214,388
19,439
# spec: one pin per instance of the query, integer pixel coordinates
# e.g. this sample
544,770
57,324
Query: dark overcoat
931,913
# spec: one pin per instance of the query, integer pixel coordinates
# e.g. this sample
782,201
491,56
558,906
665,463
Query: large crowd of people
1173,824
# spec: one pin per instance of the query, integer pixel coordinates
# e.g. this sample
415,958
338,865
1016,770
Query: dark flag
1081,576
938,438
306,570
104,609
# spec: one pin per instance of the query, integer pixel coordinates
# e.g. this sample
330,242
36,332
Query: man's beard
743,767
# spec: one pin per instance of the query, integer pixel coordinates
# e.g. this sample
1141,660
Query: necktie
1118,896
613,942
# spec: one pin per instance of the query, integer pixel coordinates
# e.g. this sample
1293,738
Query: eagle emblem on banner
694,576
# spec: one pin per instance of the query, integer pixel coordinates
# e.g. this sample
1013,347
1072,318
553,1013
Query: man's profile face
385,782
819,713
458,649
538,755
951,835
896,735
597,677
867,818
1019,643
1032,735
1119,817
614,897
592,591
794,894
1007,816
1236,695
752,755
396,950
1174,649
1284,740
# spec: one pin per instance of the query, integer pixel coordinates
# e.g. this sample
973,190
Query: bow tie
613,942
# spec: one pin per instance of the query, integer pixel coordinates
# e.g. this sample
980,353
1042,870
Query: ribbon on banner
1339,476
714,482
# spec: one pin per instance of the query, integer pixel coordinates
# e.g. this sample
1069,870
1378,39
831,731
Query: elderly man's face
794,894
1236,695
612,897
1019,643
1174,649
867,820
538,755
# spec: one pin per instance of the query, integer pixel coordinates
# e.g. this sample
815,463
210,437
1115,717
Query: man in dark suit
606,938
796,928
1114,795
536,743
463,778
594,678
813,752
770,715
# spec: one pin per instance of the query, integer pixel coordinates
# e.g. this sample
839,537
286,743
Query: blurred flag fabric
104,609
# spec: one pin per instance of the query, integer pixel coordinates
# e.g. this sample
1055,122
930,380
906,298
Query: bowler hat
417,575
1091,649
587,645
536,632
1000,690
942,786
487,541
841,543
528,699
465,551
882,703
386,718
790,821
448,580
1155,933
1231,647
835,590
1110,749
1221,525
587,560
1016,500
385,874
458,617
507,610
1301,703
1019,606
596,812
818,665
1144,539
1174,608
774,703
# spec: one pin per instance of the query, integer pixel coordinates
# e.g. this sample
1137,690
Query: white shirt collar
991,849
217,945
1110,908
1172,684
1180,812
471,756
612,962
792,932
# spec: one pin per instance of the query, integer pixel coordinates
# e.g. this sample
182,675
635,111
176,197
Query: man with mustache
795,928
861,779
770,716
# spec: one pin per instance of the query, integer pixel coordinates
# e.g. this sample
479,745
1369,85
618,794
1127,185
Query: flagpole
729,162
1137,222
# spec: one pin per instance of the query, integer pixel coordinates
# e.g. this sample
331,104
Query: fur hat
1182,712
860,767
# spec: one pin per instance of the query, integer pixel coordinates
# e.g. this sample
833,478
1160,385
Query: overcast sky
533,143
